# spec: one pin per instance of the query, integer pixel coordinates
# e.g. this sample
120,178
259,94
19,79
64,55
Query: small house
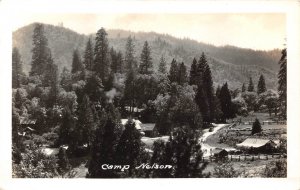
27,125
135,121
219,153
148,129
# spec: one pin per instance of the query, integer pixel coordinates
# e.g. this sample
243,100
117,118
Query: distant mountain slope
228,63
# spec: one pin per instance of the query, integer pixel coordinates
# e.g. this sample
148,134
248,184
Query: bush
225,170
276,169
35,164
256,127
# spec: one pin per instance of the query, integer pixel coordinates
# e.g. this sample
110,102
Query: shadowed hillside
227,63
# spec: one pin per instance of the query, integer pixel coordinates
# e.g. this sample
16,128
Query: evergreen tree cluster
200,75
282,83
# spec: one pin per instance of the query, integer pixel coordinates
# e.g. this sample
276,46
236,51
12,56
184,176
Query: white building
137,123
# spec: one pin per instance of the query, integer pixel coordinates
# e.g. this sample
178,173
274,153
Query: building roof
137,123
150,141
218,150
253,142
148,126
27,121
50,151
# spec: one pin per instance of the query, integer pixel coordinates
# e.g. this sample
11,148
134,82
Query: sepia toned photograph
149,96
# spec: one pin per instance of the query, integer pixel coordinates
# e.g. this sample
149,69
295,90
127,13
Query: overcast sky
255,31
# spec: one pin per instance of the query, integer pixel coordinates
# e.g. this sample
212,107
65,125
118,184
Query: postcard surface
149,94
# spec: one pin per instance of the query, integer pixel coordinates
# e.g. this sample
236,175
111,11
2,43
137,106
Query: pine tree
256,127
173,73
68,124
114,60
41,54
18,99
193,72
129,91
76,62
17,71
104,147
130,61
225,101
183,152
120,62
182,74
101,55
250,86
261,86
282,82
202,65
128,148
202,102
88,56
53,83
201,76
243,88
162,68
146,65
50,72
66,79
86,125
209,90
94,89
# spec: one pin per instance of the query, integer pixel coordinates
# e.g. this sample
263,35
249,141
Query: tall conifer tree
146,65
76,62
162,68
182,74
193,72
89,56
173,73
243,88
86,125
225,101
129,91
129,147
17,70
52,75
261,86
130,61
282,82
41,54
250,86
101,55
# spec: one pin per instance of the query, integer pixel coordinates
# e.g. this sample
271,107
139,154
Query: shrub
256,127
276,169
225,170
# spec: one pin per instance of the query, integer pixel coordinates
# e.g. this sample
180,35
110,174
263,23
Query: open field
227,137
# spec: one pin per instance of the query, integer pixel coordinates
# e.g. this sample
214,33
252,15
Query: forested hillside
228,63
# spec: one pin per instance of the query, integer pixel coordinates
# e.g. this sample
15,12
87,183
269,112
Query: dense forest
79,102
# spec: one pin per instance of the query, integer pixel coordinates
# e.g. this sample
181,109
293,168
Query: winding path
206,148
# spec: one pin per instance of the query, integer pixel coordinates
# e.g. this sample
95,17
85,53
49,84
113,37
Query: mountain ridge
228,63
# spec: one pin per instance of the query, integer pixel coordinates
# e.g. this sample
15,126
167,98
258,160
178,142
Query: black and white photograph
133,102
141,95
